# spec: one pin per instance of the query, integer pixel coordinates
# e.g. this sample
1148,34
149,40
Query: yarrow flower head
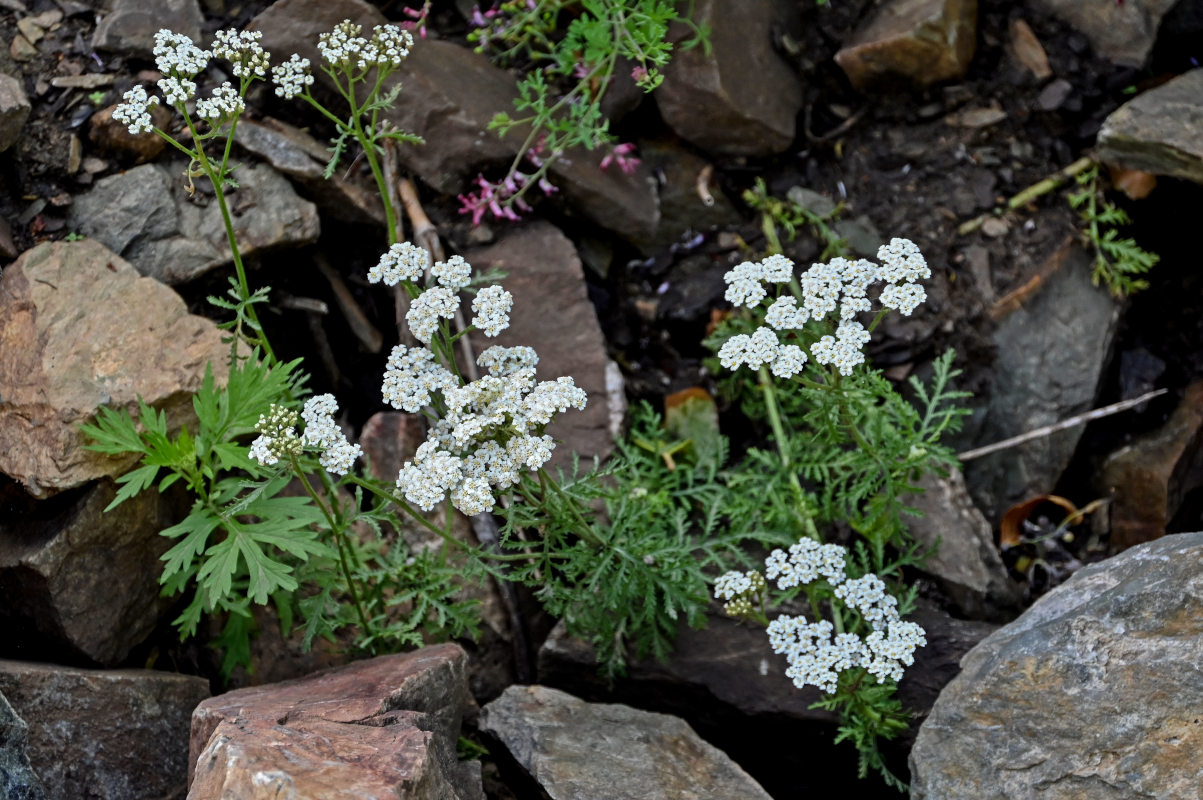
492,306
338,455
135,111
177,55
740,590
243,51
454,273
225,103
410,377
403,261
292,77
344,47
437,302
278,437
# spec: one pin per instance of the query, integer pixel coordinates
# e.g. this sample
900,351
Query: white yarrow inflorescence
292,76
243,51
278,437
225,103
135,111
177,55
437,302
410,377
492,306
338,455
344,47
403,261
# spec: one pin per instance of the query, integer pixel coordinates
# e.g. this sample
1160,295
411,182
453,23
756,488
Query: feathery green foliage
1118,262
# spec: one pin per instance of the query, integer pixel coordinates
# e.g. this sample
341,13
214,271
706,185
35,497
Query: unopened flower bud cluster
491,429
740,590
815,652
278,437
839,285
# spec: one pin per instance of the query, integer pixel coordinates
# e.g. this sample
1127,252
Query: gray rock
384,727
302,158
14,110
130,26
146,216
915,42
623,203
57,593
1051,355
1123,32
572,747
17,778
683,210
79,328
105,734
1093,694
1160,131
966,564
740,99
552,314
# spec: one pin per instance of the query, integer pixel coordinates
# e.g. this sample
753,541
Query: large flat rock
1161,131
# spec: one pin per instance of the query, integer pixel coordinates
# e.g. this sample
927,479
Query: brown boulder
915,42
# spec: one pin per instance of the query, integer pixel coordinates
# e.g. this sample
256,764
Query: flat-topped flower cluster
816,652
823,289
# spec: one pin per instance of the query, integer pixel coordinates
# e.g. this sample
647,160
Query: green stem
770,403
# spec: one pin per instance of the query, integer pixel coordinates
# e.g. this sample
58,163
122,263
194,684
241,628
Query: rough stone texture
742,99
1051,355
112,136
303,159
105,734
572,747
57,562
1123,32
385,727
130,25
966,564
1148,478
911,42
682,208
624,203
552,314
1160,131
1093,694
145,215
14,110
17,778
79,328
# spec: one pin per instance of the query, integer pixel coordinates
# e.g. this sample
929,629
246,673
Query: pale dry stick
388,163
1042,187
367,334
484,525
1048,430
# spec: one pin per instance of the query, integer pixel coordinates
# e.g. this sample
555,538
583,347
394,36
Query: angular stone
1148,478
685,180
740,99
966,563
1160,131
385,727
552,314
130,26
303,159
58,559
14,110
1051,355
17,778
105,734
146,216
1123,32
571,748
911,42
617,201
1092,694
79,328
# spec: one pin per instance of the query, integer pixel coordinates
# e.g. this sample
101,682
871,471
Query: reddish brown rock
385,727
79,328
552,314
1148,478
911,42
104,734
739,98
112,136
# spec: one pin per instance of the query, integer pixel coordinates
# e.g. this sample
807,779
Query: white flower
177,90
279,437
344,46
492,306
339,456
777,269
411,375
473,497
552,397
291,77
427,479
502,361
243,51
135,111
177,55
733,352
454,273
402,261
790,360
903,297
806,562
762,348
852,332
531,452
821,285
784,314
323,432
226,102
437,302
901,262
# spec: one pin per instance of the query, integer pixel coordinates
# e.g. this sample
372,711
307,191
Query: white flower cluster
135,111
839,284
492,306
411,375
243,51
739,589
177,90
437,302
490,432
816,654
291,77
403,261
344,46
225,102
322,431
177,55
278,437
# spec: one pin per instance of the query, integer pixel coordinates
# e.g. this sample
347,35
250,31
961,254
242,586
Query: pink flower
619,155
